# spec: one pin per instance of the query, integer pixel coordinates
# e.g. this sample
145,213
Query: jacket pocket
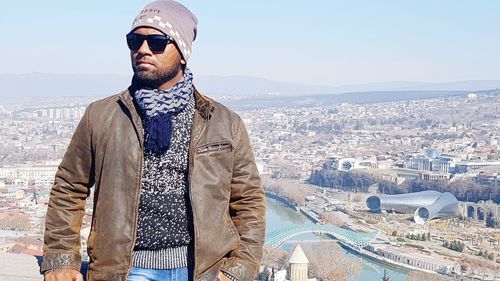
215,148
233,231
210,274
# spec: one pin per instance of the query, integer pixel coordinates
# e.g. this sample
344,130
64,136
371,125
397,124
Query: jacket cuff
238,270
61,260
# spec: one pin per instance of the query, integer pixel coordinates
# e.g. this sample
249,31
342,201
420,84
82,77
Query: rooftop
298,256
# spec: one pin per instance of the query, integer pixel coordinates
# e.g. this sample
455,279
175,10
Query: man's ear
183,62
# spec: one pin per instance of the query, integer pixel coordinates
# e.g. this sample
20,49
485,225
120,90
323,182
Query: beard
157,77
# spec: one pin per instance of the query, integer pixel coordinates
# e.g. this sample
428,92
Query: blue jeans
145,274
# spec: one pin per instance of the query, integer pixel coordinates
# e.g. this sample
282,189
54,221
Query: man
177,192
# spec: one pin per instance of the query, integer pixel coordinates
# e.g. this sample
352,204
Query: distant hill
42,84
327,100
468,85
19,86
251,86
61,85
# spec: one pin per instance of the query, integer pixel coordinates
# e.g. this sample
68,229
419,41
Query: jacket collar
203,104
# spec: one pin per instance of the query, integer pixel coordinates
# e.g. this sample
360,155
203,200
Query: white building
472,96
42,172
299,265
418,162
410,258
445,164
477,166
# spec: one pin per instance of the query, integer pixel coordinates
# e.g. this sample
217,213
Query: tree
332,218
467,189
422,276
491,221
264,275
291,191
385,277
274,258
347,165
326,268
454,245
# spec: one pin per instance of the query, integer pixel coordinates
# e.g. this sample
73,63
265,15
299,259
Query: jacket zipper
139,130
137,198
191,158
214,148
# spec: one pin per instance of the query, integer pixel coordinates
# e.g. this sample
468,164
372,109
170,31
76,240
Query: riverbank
308,213
282,200
280,216
366,253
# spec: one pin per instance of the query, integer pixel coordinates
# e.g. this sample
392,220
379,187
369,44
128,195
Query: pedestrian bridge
352,238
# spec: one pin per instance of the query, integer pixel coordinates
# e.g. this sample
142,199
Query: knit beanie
171,18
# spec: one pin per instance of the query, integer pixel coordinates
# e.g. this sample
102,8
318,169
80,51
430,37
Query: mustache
142,59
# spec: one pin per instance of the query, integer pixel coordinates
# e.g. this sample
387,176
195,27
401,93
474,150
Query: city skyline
344,103
328,43
325,160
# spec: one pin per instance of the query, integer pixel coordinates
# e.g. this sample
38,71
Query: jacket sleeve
66,208
248,211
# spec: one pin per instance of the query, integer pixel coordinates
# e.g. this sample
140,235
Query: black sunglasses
156,42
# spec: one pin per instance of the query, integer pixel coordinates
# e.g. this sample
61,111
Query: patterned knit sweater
165,225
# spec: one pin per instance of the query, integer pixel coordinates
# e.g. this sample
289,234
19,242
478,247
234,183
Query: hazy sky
315,42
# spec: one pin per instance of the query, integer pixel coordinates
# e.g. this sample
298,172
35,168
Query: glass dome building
424,205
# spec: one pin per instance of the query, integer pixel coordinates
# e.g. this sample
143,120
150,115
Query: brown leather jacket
106,152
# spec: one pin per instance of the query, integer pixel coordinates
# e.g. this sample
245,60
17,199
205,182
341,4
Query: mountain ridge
17,86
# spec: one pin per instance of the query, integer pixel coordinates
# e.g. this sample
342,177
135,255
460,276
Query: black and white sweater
165,224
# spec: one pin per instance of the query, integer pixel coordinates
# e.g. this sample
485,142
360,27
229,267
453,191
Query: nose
144,49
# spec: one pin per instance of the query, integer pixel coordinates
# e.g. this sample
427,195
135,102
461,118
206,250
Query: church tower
298,265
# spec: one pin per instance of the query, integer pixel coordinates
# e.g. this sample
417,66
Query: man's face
156,68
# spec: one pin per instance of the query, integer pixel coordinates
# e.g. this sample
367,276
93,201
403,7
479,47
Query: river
280,216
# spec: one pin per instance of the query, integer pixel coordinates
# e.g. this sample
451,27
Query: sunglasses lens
157,43
134,41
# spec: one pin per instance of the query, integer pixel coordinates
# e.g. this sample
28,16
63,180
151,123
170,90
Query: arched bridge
352,238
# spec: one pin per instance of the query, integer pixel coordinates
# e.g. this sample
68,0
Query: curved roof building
424,205
445,206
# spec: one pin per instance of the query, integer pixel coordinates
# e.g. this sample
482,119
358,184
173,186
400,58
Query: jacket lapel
126,100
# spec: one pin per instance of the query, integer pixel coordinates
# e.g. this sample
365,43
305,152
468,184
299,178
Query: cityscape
320,165
375,127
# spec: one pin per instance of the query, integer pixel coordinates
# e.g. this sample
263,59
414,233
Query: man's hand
222,277
64,275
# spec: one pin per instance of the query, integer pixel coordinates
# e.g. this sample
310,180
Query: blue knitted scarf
159,107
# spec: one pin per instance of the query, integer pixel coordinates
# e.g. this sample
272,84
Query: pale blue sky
315,42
